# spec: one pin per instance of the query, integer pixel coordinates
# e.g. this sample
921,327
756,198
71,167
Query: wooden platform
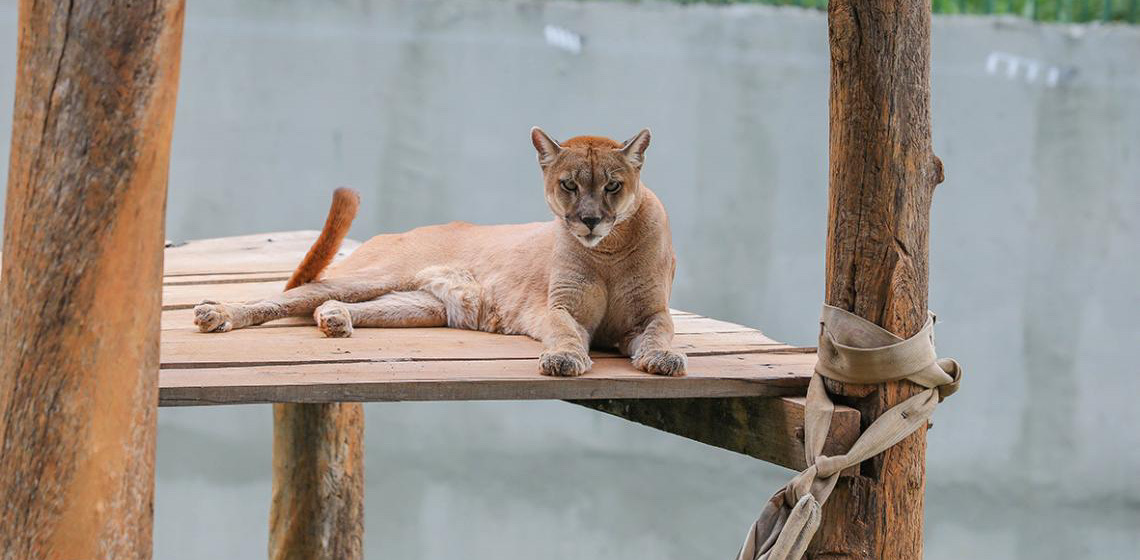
290,361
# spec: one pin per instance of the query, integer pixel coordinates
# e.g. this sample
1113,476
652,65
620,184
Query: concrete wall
425,107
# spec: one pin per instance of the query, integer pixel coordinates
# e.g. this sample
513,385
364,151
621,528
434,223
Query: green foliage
1067,11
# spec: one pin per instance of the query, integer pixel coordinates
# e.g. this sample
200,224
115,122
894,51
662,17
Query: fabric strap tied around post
851,350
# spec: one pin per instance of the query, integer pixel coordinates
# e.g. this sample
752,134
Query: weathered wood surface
768,429
82,270
317,509
182,349
289,361
262,253
502,379
883,174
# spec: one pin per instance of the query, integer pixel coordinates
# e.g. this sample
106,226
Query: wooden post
80,291
317,511
883,174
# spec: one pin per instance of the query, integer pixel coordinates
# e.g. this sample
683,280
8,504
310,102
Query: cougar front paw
334,319
564,363
661,362
211,316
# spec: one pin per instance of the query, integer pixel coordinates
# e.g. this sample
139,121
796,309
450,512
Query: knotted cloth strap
851,350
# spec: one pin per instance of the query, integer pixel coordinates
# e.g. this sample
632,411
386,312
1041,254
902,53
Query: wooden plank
498,379
186,296
187,348
696,324
79,320
224,278
769,429
260,253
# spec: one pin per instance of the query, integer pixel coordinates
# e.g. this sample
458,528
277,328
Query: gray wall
425,107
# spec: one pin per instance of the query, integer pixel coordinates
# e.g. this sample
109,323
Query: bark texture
883,175
80,290
317,511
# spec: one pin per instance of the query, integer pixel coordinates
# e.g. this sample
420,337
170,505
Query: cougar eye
567,186
613,187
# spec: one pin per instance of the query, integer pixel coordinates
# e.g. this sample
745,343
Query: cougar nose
590,221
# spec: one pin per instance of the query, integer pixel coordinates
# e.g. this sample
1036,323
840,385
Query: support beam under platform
769,429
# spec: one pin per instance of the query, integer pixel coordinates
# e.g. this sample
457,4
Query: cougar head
591,182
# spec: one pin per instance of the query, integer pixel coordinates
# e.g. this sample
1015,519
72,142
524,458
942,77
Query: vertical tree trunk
80,290
317,511
883,174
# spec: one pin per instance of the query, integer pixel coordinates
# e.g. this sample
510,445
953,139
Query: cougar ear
547,148
634,148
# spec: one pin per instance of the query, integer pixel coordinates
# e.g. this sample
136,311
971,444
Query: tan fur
565,283
341,213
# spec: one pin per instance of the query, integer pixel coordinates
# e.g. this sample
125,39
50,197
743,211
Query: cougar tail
344,204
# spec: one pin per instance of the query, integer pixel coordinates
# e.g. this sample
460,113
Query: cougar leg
211,316
392,310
